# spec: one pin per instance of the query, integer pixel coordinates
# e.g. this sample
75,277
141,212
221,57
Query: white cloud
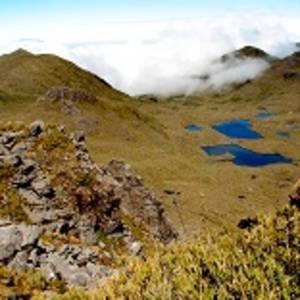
161,57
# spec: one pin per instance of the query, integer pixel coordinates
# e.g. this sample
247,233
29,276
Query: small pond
245,157
283,134
193,128
264,115
238,129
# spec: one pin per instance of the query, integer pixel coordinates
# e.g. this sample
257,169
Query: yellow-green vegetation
24,285
25,75
11,204
259,264
262,263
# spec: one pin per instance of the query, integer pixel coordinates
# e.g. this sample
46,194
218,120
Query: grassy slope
150,136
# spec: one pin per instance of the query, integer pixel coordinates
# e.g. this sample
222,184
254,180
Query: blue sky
117,9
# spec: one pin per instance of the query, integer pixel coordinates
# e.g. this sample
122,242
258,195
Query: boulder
36,128
10,242
294,194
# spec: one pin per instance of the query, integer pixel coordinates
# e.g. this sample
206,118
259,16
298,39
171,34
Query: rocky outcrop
148,212
67,98
59,93
50,185
22,247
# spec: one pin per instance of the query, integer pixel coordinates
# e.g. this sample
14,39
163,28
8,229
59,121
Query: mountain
247,52
282,78
27,76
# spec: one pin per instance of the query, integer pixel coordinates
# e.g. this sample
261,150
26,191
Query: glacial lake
246,157
238,129
193,128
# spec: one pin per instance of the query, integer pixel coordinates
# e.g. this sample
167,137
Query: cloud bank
165,57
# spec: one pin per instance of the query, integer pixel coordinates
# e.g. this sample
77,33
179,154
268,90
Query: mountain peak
21,52
250,51
30,75
247,52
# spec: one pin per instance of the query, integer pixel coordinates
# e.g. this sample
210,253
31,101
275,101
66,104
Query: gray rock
19,148
30,234
9,139
10,242
21,181
13,160
68,107
79,278
3,151
31,197
42,187
5,222
79,137
19,262
29,166
36,128
39,215
135,248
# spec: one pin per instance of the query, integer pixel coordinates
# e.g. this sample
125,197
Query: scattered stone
135,248
36,128
172,193
247,223
79,137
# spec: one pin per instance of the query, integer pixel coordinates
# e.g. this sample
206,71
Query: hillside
74,214
151,136
27,76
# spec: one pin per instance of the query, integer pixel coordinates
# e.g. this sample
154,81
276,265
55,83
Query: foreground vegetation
262,263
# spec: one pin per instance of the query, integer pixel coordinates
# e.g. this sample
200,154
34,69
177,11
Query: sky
149,46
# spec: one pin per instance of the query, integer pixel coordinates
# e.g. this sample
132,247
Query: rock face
49,185
22,247
145,213
67,98
56,94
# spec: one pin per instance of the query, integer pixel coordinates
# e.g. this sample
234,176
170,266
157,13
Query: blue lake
193,128
245,157
238,129
264,115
